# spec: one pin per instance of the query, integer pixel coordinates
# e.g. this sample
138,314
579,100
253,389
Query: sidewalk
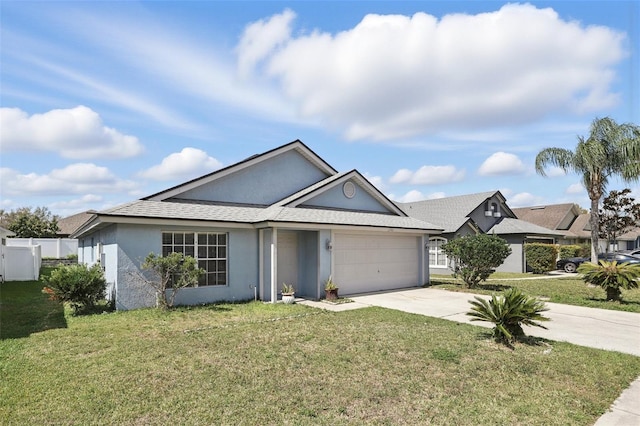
591,327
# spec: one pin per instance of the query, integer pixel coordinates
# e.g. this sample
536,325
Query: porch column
274,265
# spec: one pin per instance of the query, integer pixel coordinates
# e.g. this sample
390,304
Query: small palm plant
509,312
611,276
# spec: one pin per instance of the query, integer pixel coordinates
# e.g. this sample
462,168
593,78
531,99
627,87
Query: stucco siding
515,261
136,242
264,183
335,198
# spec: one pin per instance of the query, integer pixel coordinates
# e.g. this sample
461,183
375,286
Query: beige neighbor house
485,212
570,220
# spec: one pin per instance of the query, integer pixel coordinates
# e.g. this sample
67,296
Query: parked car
634,252
571,264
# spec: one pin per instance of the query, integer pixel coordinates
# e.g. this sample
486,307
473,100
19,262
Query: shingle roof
447,213
549,216
254,215
69,224
516,226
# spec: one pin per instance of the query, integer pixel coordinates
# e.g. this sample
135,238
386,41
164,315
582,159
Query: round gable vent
349,189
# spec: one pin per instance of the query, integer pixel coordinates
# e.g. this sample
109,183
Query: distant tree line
27,222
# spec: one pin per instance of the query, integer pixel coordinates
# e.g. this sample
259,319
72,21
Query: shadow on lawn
24,310
622,302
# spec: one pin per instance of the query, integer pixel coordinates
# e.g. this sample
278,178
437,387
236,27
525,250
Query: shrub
568,251
170,274
82,287
508,313
611,276
475,257
540,257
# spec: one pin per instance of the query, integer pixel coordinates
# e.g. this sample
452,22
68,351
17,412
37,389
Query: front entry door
287,258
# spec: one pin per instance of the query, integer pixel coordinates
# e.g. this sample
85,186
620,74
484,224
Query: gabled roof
449,213
308,193
548,216
167,207
297,145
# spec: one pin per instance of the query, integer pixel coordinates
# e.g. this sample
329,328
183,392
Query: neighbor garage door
366,263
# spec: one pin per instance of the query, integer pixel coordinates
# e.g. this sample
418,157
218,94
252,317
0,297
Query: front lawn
569,290
260,363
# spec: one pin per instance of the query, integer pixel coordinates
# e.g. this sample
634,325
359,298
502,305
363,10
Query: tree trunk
614,294
593,221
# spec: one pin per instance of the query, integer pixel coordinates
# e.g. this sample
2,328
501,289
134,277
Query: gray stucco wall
515,261
264,183
335,198
135,242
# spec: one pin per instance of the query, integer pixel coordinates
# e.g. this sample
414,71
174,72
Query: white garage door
365,263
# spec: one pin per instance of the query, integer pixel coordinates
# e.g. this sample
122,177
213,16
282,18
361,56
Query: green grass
260,363
569,290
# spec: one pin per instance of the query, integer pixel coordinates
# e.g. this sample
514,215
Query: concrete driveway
596,328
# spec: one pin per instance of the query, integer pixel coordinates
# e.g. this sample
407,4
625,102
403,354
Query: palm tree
612,149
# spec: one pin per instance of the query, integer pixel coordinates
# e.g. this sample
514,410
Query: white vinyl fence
57,248
21,263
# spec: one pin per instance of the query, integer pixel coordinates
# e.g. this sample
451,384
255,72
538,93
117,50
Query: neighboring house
4,233
282,216
485,212
574,225
68,225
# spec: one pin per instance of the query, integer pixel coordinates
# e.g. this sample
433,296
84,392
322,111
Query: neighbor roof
69,224
548,216
449,213
509,225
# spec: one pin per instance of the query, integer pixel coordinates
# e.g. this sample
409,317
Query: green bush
567,251
475,257
611,276
541,257
82,287
508,313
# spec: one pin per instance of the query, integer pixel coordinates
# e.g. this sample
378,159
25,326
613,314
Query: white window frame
210,278
438,253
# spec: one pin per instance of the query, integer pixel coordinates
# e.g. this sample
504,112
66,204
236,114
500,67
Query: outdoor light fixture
329,245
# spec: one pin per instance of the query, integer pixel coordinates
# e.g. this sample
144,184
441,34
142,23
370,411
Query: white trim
261,262
438,253
274,265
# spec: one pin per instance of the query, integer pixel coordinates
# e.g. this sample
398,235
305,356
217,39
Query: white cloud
376,181
188,163
429,175
77,203
555,172
77,133
79,178
576,188
261,38
394,76
502,163
524,199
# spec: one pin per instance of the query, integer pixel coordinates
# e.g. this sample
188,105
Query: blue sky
106,102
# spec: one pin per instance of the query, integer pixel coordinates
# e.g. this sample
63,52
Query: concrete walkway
591,327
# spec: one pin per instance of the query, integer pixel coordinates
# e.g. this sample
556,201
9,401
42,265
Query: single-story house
573,223
284,216
485,212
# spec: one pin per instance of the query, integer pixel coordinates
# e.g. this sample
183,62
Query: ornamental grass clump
509,313
611,276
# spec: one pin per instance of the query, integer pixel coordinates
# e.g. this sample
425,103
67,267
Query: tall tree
611,149
28,223
619,214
